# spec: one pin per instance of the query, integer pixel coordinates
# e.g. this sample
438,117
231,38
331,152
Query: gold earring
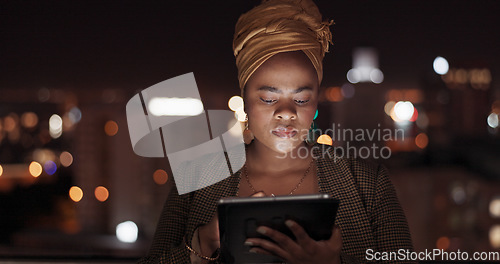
247,133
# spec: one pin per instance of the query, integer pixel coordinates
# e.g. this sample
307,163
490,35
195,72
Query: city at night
411,85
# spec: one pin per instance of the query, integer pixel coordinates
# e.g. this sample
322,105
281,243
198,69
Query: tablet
240,217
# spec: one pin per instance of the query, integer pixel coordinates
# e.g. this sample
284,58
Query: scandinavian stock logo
168,120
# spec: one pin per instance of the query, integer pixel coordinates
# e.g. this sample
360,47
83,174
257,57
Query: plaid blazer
369,215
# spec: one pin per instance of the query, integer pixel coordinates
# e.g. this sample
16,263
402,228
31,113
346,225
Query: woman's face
281,98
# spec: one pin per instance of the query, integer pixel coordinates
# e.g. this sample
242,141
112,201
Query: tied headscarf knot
280,26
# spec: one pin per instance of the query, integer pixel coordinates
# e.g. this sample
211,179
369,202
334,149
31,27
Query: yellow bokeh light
35,169
75,193
160,177
101,193
66,159
494,206
495,236
1,170
421,140
111,128
325,139
235,103
388,107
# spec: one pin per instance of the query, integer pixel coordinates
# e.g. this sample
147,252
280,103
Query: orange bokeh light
160,177
421,140
75,193
325,139
334,94
443,243
111,128
101,193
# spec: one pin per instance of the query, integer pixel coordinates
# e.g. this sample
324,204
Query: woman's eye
268,101
301,101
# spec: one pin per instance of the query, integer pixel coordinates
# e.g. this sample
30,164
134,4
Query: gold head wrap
277,26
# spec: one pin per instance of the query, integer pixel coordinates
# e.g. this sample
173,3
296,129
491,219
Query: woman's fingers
300,234
279,238
335,240
258,194
264,246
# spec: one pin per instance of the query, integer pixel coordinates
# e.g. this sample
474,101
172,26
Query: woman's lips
284,132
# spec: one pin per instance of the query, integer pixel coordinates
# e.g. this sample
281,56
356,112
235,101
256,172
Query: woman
279,46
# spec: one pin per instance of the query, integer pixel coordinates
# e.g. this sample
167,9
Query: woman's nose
286,112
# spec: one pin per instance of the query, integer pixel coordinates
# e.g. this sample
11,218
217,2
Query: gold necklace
272,194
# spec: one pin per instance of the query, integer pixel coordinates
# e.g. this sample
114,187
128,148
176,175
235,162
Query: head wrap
277,26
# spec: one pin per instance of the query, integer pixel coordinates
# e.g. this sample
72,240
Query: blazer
369,215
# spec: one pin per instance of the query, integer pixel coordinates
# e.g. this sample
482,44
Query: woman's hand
209,236
304,250
209,233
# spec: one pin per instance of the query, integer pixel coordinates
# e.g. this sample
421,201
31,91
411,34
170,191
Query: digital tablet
240,217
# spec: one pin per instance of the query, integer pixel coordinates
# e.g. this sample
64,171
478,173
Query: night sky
135,44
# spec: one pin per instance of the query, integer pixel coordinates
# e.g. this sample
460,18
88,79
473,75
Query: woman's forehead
285,70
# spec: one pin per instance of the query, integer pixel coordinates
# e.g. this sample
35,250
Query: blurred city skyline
69,68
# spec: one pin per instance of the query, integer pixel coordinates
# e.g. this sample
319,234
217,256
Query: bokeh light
55,126
75,115
325,139
421,140
422,120
50,167
235,103
10,122
353,76
334,94
75,193
440,65
493,120
29,120
101,193
376,76
35,169
458,194
66,159
347,90
414,117
388,107
495,207
443,243
111,128
127,232
160,177
1,170
495,236
404,110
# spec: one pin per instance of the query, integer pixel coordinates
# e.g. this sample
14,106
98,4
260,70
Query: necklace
272,194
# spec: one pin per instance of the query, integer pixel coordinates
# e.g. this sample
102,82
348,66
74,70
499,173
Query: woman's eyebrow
276,90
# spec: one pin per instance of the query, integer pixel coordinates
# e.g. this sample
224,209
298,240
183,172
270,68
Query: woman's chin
288,147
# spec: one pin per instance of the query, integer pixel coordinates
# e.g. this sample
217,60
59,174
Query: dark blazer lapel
336,179
204,202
